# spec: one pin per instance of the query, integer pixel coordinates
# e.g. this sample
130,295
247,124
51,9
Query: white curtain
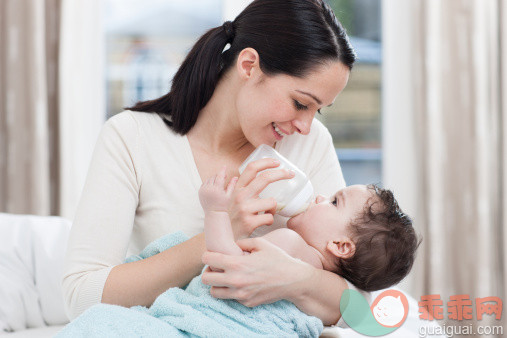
445,146
82,94
51,102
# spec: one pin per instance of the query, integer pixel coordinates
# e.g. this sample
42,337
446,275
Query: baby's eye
300,106
335,200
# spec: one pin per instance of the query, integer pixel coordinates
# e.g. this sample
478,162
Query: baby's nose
319,199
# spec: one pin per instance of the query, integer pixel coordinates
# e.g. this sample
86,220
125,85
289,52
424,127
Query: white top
143,183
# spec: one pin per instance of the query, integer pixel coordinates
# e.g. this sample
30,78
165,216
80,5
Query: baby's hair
385,243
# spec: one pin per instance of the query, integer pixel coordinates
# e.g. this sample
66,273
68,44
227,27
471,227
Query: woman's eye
300,106
335,201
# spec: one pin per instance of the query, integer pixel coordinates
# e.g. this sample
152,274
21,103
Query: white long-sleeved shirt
143,183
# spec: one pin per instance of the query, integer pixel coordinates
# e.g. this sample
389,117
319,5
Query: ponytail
194,82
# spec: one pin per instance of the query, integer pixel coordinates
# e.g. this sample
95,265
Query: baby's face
327,219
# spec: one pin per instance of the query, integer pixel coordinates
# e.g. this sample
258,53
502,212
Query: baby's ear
342,248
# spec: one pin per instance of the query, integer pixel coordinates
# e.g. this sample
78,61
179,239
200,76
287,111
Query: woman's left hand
266,275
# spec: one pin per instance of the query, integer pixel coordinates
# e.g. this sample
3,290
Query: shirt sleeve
104,219
324,171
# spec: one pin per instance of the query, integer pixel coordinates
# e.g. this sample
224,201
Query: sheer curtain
51,102
29,137
445,144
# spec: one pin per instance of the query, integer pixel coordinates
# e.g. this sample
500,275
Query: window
355,120
147,41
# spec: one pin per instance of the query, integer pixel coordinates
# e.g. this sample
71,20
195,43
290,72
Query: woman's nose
319,199
304,123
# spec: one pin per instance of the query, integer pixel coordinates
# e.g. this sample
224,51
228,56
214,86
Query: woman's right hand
245,204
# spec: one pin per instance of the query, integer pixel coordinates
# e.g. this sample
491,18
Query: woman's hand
245,204
264,276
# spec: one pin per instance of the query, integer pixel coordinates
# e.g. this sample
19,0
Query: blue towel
191,312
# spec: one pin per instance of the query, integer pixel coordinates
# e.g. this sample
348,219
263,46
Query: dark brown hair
385,242
292,37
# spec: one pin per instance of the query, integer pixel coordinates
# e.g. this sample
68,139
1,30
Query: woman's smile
277,132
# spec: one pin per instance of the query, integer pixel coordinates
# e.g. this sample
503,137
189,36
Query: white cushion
32,249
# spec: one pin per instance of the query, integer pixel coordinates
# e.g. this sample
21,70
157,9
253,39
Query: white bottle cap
298,201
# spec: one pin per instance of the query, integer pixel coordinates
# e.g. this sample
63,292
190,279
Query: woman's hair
385,243
292,37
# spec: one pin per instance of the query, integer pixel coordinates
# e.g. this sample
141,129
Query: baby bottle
293,196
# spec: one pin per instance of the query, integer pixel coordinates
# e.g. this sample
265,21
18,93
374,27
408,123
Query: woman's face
271,107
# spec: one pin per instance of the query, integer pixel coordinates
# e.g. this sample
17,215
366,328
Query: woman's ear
343,248
247,64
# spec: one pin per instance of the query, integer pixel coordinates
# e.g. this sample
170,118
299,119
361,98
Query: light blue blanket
191,312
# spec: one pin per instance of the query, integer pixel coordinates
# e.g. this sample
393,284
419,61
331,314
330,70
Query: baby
359,233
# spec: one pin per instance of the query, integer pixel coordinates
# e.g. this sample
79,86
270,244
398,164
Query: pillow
32,250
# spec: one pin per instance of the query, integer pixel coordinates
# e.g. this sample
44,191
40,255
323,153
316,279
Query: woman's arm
94,270
275,276
141,282
104,219
320,295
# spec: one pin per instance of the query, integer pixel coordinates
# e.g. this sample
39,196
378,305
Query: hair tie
229,30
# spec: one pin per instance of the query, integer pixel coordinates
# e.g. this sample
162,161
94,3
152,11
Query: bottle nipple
302,209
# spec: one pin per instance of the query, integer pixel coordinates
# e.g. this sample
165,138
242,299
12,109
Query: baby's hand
213,195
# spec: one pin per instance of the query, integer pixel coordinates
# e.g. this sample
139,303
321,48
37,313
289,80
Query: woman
287,59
